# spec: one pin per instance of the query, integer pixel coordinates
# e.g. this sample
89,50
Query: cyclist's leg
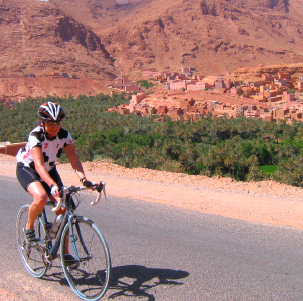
40,192
30,181
62,211
37,191
56,177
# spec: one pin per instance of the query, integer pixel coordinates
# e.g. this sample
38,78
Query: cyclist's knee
37,191
40,200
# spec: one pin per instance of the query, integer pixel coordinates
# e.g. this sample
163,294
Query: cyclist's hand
87,183
55,190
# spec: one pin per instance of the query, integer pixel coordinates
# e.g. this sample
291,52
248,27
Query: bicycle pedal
74,266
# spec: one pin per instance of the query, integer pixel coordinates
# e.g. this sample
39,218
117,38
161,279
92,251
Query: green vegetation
269,168
145,84
244,149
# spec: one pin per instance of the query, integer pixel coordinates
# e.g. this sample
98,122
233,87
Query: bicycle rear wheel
32,257
89,276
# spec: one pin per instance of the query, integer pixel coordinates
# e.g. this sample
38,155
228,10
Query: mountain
215,36
96,14
108,38
38,37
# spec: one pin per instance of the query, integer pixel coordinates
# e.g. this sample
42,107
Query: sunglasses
52,123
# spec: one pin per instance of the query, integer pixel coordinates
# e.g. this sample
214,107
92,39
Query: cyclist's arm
74,160
37,155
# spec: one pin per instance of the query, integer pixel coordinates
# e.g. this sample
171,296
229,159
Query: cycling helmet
51,111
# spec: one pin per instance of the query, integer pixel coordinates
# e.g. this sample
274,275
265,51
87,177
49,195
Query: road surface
160,252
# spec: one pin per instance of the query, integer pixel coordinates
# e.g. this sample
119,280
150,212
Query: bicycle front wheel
88,274
32,257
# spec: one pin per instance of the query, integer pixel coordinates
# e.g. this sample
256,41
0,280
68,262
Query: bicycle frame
53,246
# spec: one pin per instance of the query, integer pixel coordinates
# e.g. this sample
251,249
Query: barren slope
94,13
214,36
36,37
42,86
106,38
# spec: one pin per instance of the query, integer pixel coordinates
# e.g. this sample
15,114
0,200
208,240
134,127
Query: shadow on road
131,280
136,280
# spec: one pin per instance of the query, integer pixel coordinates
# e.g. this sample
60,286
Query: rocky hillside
37,37
215,36
108,38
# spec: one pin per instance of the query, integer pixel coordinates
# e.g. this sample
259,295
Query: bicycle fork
74,237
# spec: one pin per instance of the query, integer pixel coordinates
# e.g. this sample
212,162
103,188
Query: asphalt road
164,253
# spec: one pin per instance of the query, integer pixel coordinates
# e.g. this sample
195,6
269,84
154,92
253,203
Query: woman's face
52,128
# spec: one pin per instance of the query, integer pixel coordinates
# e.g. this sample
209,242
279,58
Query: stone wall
10,149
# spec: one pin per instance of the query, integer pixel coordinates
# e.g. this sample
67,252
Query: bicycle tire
90,276
32,257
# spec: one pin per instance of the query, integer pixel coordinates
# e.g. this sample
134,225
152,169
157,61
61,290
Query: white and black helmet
51,111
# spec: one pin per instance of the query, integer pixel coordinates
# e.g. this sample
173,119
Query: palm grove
243,149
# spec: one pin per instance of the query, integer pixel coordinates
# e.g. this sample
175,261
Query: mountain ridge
107,39
223,36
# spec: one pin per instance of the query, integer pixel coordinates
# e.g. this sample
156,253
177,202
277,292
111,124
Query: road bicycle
88,273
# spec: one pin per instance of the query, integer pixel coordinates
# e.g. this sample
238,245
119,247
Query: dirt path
263,202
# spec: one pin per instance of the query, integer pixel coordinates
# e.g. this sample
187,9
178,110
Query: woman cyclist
36,168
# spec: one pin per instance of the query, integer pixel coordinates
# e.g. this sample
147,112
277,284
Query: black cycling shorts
27,175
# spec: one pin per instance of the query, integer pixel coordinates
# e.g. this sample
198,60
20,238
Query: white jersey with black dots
51,147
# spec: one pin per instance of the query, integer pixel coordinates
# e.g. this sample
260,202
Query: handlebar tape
100,187
87,184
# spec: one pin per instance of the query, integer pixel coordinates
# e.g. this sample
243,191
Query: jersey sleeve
34,139
65,137
69,140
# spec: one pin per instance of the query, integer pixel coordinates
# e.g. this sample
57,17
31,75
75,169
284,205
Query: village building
137,98
267,99
199,86
284,75
236,90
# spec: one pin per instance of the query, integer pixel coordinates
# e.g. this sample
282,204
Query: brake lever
99,188
59,203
